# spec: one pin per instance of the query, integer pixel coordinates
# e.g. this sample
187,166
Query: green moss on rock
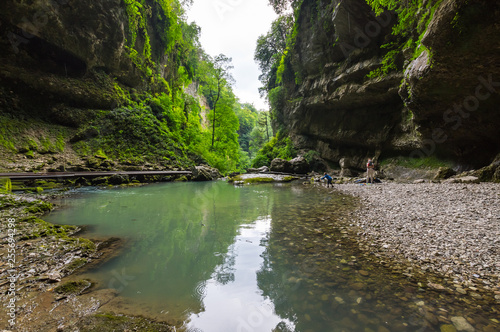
73,287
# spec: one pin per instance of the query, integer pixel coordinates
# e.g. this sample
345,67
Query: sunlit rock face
334,108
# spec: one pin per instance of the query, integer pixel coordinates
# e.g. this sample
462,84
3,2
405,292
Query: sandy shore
452,229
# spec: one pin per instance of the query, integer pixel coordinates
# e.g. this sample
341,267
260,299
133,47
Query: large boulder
281,166
205,173
299,165
263,169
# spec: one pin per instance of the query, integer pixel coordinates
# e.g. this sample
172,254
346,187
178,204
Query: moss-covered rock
73,287
444,173
108,322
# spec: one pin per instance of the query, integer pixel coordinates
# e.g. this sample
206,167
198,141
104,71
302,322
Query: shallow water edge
348,279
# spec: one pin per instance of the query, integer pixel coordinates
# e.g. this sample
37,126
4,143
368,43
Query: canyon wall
439,99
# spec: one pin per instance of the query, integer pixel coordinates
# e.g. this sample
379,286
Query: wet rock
117,179
431,318
52,277
100,181
358,286
382,329
436,286
448,328
461,324
490,328
339,300
363,273
347,322
205,173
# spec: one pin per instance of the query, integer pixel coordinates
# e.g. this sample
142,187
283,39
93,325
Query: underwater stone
461,324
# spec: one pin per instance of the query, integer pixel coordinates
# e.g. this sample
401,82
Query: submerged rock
461,324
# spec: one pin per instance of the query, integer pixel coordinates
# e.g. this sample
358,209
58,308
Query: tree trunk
215,108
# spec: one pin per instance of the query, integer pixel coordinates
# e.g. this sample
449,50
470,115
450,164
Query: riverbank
450,229
37,258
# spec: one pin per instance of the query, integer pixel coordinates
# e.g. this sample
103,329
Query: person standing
370,171
329,180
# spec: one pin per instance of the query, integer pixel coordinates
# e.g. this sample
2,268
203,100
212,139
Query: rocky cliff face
67,67
334,108
66,54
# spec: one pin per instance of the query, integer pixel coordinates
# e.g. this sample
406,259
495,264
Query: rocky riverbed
442,240
452,229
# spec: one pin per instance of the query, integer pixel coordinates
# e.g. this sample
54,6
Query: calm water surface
215,258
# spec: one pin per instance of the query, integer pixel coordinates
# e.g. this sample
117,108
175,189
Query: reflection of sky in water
236,303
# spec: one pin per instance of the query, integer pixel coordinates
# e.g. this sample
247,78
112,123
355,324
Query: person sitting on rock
370,171
329,180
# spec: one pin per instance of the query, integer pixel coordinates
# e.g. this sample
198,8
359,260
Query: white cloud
232,27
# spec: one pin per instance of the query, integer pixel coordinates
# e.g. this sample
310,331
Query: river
214,257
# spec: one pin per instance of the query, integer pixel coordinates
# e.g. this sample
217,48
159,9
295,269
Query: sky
232,27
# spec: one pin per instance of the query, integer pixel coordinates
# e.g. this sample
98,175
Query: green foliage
311,155
278,147
416,163
271,48
39,207
248,117
261,133
277,98
281,6
125,133
5,185
407,30
388,65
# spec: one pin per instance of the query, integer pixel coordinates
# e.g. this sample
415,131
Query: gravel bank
452,229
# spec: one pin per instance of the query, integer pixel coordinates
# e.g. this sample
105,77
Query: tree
247,116
270,49
219,78
280,6
261,133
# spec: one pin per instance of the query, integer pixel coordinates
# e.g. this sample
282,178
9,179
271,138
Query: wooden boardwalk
59,175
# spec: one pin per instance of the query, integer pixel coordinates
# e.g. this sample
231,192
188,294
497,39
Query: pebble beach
451,229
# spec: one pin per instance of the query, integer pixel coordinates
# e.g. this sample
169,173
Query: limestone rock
281,165
444,173
299,165
464,179
263,169
461,324
448,328
340,112
205,173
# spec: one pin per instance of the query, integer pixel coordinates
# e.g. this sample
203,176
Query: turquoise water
213,257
